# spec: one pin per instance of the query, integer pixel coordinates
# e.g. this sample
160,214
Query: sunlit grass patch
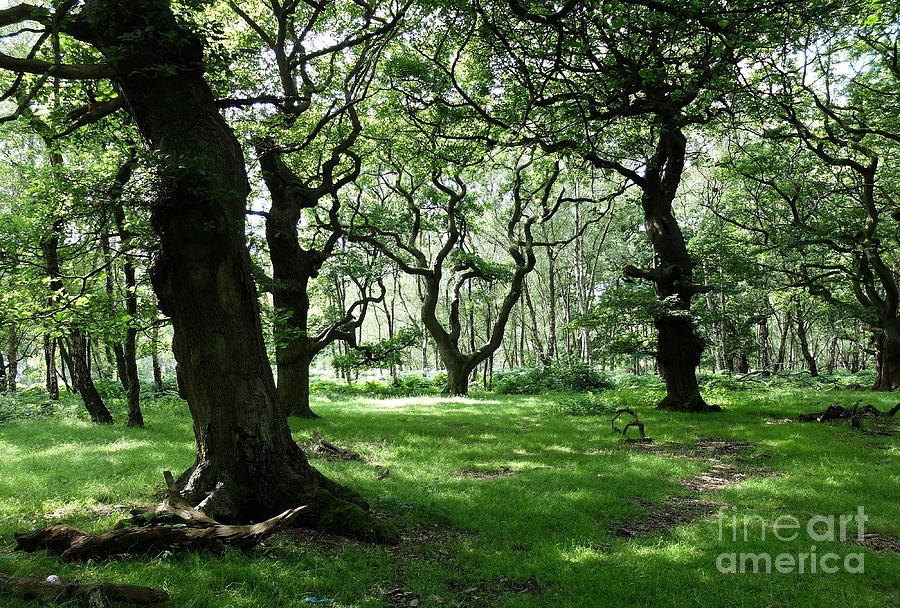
532,530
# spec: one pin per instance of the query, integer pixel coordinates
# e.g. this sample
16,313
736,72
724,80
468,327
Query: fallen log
96,595
72,544
329,449
853,415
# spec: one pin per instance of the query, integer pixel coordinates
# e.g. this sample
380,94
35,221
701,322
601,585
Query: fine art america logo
787,528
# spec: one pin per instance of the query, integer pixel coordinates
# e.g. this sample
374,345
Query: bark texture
247,467
95,595
679,347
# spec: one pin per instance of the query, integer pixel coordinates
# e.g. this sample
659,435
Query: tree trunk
765,363
552,338
247,467
293,362
12,358
51,380
78,354
679,348
81,378
458,372
887,371
128,369
802,328
67,365
678,355
292,267
157,368
782,343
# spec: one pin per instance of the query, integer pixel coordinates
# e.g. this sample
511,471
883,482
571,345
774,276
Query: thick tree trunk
679,348
247,467
81,378
458,374
743,365
51,381
292,268
887,371
678,355
293,362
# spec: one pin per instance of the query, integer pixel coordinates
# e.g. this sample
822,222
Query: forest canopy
241,204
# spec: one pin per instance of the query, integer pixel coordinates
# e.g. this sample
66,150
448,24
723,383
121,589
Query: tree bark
157,368
802,328
78,355
81,378
887,370
458,373
12,358
67,365
293,267
129,368
679,348
783,341
293,362
765,363
51,381
247,467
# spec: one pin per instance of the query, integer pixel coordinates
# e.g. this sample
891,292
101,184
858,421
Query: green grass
478,542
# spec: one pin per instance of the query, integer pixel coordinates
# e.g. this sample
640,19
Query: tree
315,126
837,192
247,465
427,227
619,85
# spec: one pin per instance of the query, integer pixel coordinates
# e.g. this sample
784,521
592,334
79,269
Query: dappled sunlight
508,489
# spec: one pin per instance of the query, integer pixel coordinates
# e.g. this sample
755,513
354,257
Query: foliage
569,375
588,404
409,385
383,354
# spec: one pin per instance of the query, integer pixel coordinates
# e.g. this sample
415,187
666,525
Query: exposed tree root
174,510
853,415
72,544
95,595
329,449
634,422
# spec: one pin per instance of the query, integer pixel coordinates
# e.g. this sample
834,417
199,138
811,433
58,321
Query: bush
109,389
34,404
583,405
407,386
565,376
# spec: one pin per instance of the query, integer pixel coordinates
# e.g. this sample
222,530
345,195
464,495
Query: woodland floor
502,502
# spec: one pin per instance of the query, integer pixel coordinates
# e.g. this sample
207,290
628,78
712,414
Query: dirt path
729,464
